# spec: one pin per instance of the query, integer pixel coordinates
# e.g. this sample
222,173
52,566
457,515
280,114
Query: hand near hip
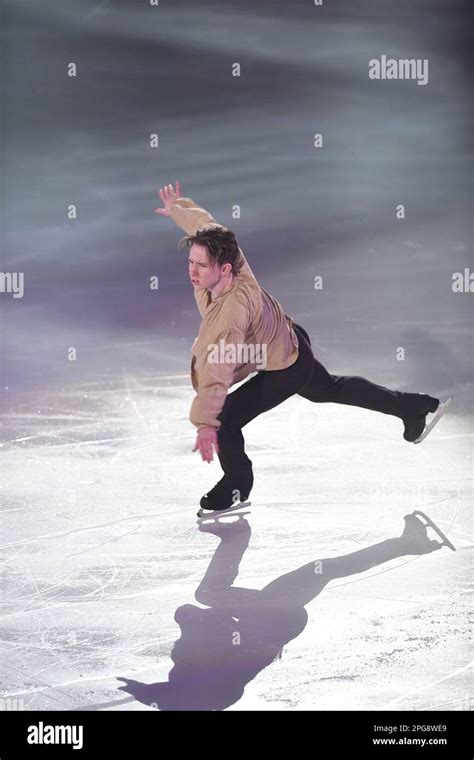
206,439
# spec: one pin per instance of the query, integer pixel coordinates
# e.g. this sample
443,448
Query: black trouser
308,378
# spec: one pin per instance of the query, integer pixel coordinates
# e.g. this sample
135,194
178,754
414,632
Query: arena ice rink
102,547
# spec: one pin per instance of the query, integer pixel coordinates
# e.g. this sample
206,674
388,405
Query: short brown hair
221,245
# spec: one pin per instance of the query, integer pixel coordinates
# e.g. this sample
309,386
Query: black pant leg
261,393
357,391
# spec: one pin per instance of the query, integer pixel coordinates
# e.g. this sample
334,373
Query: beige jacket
242,331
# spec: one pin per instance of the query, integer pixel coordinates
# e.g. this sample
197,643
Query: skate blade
437,416
214,514
430,524
228,519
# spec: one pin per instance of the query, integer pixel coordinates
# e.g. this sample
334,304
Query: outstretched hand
168,196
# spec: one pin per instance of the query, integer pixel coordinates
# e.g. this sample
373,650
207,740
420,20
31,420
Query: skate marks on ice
458,671
241,631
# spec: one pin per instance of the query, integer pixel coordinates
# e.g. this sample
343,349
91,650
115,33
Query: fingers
205,450
205,444
168,191
166,194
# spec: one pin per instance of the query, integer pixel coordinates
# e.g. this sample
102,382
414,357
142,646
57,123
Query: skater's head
213,257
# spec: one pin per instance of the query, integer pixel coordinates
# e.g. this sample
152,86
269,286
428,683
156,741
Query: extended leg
323,387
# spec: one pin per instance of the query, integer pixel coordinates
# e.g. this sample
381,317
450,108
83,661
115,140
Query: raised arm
183,211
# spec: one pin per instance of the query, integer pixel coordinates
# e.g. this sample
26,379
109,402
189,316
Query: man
245,330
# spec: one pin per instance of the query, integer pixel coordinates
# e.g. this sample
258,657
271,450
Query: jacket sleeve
216,367
190,217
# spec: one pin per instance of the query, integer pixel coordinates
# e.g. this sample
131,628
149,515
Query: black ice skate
223,497
417,427
435,419
208,511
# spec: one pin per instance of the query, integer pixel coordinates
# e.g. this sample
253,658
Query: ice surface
104,560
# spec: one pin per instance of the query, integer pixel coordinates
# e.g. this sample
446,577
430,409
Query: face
203,273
